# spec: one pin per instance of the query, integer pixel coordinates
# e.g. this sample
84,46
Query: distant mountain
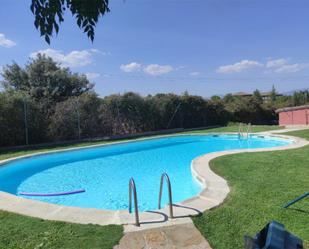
293,91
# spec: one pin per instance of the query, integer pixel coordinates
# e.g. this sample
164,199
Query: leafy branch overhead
49,14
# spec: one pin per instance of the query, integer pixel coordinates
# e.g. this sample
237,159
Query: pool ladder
132,189
241,130
169,189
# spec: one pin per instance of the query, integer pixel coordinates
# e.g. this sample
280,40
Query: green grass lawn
300,133
234,128
17,231
260,184
21,232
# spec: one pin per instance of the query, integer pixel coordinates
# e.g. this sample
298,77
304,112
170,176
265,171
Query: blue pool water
104,171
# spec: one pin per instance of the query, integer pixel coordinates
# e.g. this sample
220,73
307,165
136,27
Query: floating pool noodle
53,194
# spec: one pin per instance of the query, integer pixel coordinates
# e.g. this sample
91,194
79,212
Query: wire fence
31,127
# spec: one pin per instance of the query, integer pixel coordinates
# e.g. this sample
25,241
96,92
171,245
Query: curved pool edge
108,143
214,193
216,188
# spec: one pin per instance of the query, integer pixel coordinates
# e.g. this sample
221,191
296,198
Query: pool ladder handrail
132,188
169,188
249,130
240,130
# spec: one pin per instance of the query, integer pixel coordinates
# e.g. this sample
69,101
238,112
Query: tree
228,98
216,113
215,98
49,14
128,113
248,110
300,98
44,80
75,118
273,94
167,109
12,130
13,115
192,111
257,96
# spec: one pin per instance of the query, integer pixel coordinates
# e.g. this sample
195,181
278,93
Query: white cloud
92,76
76,58
151,69
156,69
276,63
97,51
194,73
292,68
282,66
239,66
179,68
5,42
131,67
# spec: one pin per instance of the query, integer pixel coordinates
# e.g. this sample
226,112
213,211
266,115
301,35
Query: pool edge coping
216,187
213,194
53,151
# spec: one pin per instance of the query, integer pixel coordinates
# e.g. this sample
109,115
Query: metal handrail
240,128
164,175
132,187
248,129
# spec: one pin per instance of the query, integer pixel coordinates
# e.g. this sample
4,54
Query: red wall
294,117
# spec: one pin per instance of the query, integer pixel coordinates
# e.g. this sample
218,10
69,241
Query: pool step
182,236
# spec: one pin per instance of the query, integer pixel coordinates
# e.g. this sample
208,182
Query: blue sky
206,47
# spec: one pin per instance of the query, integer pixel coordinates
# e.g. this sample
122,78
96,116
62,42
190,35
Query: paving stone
184,236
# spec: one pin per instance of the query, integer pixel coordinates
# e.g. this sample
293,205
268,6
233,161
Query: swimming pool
104,171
